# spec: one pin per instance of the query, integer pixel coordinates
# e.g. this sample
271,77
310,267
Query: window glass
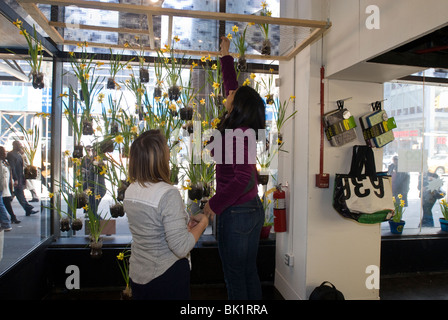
132,115
25,116
420,151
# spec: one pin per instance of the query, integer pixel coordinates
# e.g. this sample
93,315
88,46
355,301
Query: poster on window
412,160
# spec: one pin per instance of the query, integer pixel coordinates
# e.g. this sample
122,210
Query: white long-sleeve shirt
158,224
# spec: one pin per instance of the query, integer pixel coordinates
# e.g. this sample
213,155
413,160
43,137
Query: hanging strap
362,158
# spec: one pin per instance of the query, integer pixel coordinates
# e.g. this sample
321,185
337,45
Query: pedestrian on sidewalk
15,159
7,185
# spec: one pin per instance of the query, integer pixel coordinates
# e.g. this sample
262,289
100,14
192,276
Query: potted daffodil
397,223
240,43
444,220
35,52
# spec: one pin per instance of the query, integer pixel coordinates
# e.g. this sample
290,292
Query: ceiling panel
112,24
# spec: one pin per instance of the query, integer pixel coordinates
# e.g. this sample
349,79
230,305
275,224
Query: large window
420,149
25,116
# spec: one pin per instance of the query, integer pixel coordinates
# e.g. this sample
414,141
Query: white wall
351,43
326,246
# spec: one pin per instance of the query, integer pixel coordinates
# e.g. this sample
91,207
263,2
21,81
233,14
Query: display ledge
407,254
206,241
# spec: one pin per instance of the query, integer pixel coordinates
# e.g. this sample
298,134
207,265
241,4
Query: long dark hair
248,111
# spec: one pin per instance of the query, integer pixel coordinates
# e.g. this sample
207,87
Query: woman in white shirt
162,236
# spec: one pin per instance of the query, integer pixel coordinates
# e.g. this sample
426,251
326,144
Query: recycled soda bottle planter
38,80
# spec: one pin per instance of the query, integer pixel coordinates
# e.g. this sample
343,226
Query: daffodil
119,139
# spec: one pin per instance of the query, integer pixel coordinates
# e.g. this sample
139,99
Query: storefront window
25,117
420,150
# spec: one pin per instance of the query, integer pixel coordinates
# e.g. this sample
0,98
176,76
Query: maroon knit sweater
236,182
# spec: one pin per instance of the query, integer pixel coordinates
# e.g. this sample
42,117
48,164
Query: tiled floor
418,286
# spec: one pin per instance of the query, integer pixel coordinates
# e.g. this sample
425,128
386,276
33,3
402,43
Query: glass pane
420,151
25,117
119,104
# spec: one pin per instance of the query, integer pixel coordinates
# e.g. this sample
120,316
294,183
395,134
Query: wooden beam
151,31
157,11
42,21
305,43
97,28
180,52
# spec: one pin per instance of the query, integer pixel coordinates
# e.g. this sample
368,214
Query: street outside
413,211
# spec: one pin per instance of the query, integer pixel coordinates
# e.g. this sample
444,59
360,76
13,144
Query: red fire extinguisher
279,209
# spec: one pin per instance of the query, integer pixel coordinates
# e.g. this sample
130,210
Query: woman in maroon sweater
236,202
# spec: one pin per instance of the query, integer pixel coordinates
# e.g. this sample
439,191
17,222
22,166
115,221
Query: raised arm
228,67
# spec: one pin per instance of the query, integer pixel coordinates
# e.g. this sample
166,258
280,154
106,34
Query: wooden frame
317,28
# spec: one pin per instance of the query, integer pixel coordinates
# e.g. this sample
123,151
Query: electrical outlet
289,259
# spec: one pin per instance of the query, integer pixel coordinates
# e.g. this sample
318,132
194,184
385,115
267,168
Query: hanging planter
117,210
38,80
266,47
173,93
30,172
264,28
186,113
106,146
196,192
122,190
263,179
114,128
239,41
96,249
87,127
157,92
110,83
78,152
242,64
76,224
126,294
35,52
81,199
144,75
115,67
64,224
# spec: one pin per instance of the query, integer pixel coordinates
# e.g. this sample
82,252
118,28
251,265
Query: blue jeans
4,217
239,230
